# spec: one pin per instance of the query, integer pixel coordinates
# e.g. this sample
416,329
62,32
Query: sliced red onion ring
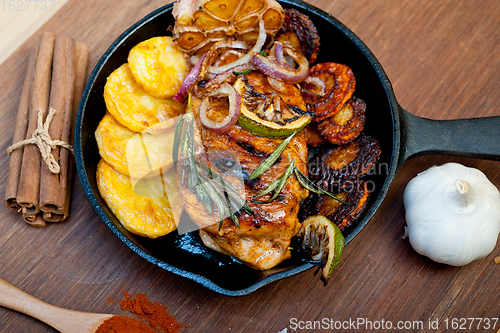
227,76
216,50
226,54
189,81
289,61
273,69
234,108
278,53
318,83
246,58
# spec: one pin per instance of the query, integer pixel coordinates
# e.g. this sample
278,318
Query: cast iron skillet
401,136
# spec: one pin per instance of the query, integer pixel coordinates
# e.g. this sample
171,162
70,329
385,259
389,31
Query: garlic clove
452,214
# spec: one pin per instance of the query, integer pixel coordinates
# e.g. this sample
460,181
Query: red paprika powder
120,324
154,313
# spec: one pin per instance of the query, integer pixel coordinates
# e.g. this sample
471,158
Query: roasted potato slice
131,106
112,139
139,155
305,31
336,168
152,216
339,87
158,66
346,125
344,216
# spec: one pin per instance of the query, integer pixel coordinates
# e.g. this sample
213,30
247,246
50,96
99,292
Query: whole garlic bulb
452,213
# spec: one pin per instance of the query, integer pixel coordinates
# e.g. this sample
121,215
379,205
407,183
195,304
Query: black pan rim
84,177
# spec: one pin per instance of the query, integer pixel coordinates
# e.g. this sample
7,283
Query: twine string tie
43,141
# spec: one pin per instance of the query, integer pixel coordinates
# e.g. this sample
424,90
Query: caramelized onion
234,108
277,84
318,83
278,53
189,81
217,80
273,68
246,58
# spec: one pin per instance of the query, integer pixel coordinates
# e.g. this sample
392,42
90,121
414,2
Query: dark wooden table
443,58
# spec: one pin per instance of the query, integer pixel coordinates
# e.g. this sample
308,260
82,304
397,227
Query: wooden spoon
63,320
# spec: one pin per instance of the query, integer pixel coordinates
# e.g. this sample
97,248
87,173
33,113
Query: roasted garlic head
200,23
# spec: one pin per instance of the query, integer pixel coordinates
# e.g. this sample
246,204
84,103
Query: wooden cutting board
443,60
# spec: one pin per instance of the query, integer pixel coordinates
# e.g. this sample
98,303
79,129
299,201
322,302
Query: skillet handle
475,137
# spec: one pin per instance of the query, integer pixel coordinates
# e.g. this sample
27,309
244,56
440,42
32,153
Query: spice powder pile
120,324
155,316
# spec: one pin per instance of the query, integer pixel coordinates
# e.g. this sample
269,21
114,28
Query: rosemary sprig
270,188
268,163
231,191
278,185
311,186
231,215
218,201
282,182
204,197
200,178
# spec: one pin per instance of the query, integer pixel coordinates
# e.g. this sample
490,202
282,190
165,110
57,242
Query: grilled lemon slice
322,239
268,114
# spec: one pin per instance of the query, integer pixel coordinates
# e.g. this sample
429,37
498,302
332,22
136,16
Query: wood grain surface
20,19
443,60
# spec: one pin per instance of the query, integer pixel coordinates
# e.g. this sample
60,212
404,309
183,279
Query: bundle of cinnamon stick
41,161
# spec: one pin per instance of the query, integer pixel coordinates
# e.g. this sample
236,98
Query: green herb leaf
282,182
270,188
205,199
231,215
227,194
263,53
268,163
248,71
311,186
231,191
218,201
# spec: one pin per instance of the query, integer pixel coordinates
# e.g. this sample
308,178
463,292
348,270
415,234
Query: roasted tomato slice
339,86
344,216
346,125
306,32
337,168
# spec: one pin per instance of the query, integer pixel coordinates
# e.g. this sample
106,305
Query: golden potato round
112,141
132,106
158,66
134,154
145,216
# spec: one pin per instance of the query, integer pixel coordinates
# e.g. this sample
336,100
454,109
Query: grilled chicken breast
262,241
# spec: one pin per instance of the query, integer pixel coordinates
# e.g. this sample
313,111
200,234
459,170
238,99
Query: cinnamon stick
61,100
36,220
58,211
20,131
29,182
